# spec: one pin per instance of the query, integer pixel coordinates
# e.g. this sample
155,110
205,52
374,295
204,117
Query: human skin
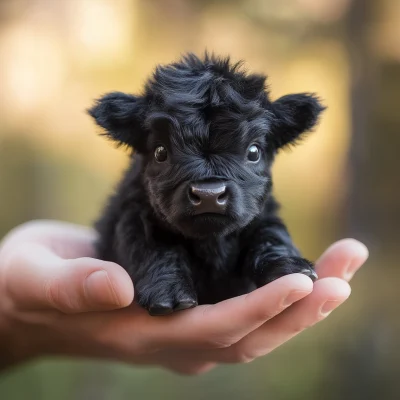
57,299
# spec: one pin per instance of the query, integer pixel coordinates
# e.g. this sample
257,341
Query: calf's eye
253,153
160,154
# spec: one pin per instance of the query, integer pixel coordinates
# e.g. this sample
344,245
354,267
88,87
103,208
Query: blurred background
56,56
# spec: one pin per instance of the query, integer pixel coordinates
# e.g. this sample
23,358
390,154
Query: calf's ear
121,116
293,116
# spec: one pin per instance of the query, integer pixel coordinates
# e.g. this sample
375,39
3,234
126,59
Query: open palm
55,298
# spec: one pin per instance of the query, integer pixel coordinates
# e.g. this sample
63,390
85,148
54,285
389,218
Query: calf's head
207,134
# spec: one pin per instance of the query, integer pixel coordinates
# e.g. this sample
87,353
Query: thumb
36,278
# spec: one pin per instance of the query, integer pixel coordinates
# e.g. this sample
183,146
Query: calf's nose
208,197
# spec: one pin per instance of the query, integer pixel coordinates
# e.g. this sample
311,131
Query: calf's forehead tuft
195,84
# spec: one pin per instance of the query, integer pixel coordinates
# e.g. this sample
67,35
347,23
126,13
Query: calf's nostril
194,199
222,198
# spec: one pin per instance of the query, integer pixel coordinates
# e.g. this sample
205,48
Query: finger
328,294
64,239
225,323
342,259
36,278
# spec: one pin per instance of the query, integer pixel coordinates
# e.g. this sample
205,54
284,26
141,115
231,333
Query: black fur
206,113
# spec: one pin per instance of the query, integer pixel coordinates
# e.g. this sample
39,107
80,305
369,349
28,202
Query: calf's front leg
160,272
271,254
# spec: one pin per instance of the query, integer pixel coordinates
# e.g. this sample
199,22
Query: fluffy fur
206,114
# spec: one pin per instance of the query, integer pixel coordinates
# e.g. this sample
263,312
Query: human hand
56,299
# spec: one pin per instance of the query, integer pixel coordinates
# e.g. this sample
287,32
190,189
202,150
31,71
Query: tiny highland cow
194,221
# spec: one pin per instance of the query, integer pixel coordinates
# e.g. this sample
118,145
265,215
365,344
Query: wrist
7,356
15,343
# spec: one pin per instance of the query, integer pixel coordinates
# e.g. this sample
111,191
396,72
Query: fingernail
351,270
293,297
357,260
329,306
99,289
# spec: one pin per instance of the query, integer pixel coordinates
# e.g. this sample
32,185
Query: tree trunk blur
373,202
373,207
